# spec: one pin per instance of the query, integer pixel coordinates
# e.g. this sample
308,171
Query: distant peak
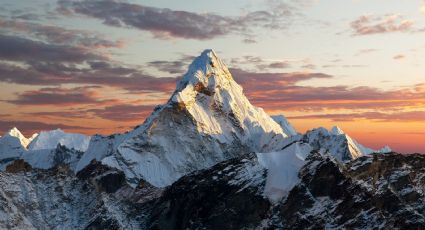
337,131
385,149
15,132
14,129
58,130
284,123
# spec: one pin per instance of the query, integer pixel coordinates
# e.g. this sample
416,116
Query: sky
100,66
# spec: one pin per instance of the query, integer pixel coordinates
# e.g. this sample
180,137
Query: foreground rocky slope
96,198
380,191
372,192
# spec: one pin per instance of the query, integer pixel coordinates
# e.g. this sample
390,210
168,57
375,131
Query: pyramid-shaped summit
207,120
204,68
216,102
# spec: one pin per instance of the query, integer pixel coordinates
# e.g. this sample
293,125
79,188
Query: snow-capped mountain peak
337,130
50,140
286,126
385,149
204,68
209,93
208,119
338,144
14,132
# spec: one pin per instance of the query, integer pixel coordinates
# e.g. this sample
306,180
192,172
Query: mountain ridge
205,159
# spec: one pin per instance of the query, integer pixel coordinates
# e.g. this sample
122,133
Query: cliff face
380,191
97,198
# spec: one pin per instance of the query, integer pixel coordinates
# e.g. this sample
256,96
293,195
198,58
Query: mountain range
207,159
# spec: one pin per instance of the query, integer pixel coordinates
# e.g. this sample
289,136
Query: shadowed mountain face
207,159
379,191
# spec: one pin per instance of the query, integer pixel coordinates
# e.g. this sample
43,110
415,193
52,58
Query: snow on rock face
385,149
50,139
12,145
44,150
286,126
10,149
99,148
57,199
17,134
338,144
364,150
209,88
49,158
207,120
336,131
283,167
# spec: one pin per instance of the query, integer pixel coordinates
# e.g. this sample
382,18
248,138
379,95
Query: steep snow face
283,167
49,158
338,144
50,139
286,126
207,120
336,131
10,149
101,147
364,150
208,88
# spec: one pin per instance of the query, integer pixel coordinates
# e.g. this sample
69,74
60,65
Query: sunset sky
101,66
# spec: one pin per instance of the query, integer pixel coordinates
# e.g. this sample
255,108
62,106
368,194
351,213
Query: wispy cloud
173,67
58,97
365,51
15,48
368,24
259,63
166,23
123,112
58,35
275,91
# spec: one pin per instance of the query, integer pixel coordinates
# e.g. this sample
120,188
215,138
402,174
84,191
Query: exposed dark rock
200,88
207,200
330,195
105,178
18,166
381,191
